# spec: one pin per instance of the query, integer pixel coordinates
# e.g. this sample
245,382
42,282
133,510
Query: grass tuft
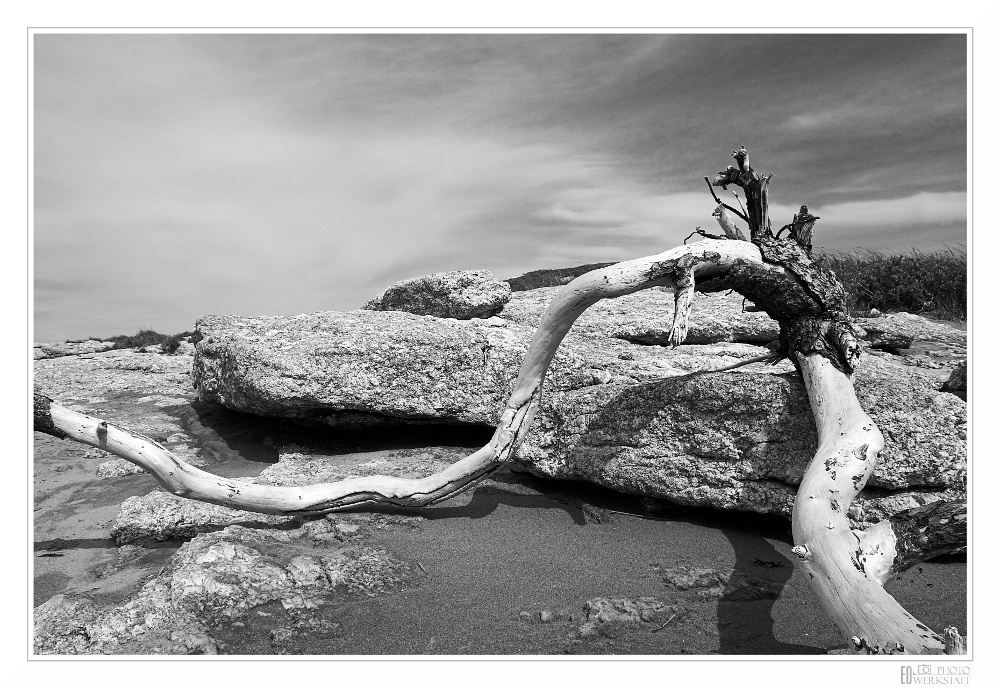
931,284
168,342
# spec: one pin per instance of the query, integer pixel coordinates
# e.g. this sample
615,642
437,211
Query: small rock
957,381
316,625
281,635
602,377
546,616
366,570
730,585
886,339
687,577
298,602
195,643
603,610
118,468
461,295
306,571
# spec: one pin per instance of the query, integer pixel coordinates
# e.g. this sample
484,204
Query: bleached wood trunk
846,575
846,568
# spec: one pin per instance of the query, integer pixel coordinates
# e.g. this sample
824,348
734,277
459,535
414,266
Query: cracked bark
846,568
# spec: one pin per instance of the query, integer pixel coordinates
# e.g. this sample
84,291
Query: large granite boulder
461,295
742,440
364,367
631,417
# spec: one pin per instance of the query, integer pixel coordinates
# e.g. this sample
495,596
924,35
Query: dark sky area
180,175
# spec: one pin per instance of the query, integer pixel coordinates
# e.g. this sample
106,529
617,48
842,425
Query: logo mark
936,675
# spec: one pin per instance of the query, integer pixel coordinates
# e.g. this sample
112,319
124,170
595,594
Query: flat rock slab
360,367
58,349
917,328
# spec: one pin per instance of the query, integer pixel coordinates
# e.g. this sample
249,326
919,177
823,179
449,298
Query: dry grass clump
931,283
168,342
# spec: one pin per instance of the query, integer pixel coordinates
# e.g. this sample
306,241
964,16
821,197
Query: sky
182,175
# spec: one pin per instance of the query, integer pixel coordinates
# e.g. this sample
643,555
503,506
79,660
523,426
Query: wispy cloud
182,175
924,208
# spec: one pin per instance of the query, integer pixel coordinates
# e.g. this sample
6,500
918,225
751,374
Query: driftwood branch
739,203
754,188
846,568
718,201
700,232
848,585
729,227
801,228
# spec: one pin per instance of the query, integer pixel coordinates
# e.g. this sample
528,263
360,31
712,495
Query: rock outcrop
217,578
627,416
72,348
461,295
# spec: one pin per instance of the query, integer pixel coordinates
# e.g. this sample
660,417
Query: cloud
182,175
924,208
639,218
226,212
